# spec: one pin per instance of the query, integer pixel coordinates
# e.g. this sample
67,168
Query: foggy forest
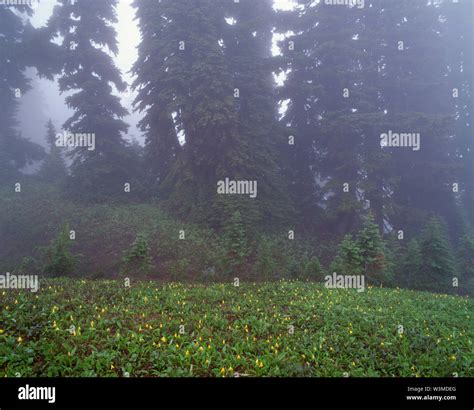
236,188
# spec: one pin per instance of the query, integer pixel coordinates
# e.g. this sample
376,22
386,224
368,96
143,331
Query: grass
103,328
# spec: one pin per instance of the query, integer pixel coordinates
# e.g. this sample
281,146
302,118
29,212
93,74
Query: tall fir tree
21,46
88,36
458,44
207,114
352,75
318,59
404,63
247,42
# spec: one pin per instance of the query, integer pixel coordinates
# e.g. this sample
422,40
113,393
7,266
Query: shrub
59,260
137,258
313,269
265,265
348,260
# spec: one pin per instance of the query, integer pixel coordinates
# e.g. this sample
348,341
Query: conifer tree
87,32
372,251
247,43
465,256
185,91
136,259
21,46
348,259
54,167
203,87
458,45
318,58
393,254
405,65
411,266
59,261
354,74
439,266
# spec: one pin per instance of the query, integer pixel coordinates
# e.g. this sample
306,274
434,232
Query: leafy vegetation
59,259
104,328
144,241
137,257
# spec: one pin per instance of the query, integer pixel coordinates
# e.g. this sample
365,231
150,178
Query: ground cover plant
118,328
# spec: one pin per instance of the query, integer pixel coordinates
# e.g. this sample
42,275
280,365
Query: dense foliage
331,196
105,328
